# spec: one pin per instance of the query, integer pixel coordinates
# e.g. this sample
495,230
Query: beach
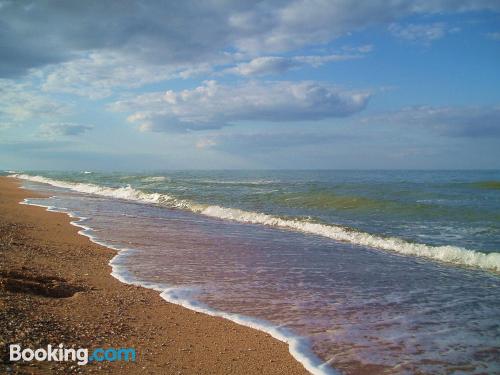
56,288
240,271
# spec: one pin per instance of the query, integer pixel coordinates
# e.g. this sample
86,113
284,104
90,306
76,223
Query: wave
126,192
154,179
448,254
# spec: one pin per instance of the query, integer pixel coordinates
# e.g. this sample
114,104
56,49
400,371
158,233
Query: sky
311,84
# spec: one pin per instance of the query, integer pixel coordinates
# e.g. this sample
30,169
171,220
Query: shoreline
122,314
298,346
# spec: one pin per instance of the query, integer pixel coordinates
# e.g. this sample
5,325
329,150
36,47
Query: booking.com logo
61,354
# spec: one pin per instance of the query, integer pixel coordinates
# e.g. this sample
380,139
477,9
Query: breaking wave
447,254
155,179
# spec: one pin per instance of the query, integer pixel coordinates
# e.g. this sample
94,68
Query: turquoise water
382,272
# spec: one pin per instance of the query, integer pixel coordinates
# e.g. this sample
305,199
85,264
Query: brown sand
55,287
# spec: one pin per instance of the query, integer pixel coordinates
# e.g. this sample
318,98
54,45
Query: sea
376,272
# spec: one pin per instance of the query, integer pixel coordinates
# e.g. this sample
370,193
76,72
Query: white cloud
423,33
19,103
96,75
316,61
52,130
137,43
212,105
264,65
46,33
295,24
277,64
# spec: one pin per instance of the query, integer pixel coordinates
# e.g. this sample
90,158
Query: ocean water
361,271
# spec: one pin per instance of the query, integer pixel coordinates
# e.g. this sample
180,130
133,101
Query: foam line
298,346
447,254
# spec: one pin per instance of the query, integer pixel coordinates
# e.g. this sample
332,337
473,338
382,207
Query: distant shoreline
56,287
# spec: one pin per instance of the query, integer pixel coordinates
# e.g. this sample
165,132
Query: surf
446,254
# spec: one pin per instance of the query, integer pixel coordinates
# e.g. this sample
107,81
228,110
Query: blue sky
108,85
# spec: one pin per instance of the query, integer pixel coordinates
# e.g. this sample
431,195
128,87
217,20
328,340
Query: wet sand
56,287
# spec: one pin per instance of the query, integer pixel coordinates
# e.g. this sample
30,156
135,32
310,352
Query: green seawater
459,208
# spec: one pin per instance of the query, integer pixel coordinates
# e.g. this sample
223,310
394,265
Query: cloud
39,33
467,122
19,102
295,24
422,33
53,130
97,74
264,65
276,64
212,106
35,34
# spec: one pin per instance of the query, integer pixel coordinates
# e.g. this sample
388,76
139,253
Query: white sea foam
126,192
154,179
448,254
298,346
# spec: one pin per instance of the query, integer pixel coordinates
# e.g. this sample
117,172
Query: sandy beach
56,288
